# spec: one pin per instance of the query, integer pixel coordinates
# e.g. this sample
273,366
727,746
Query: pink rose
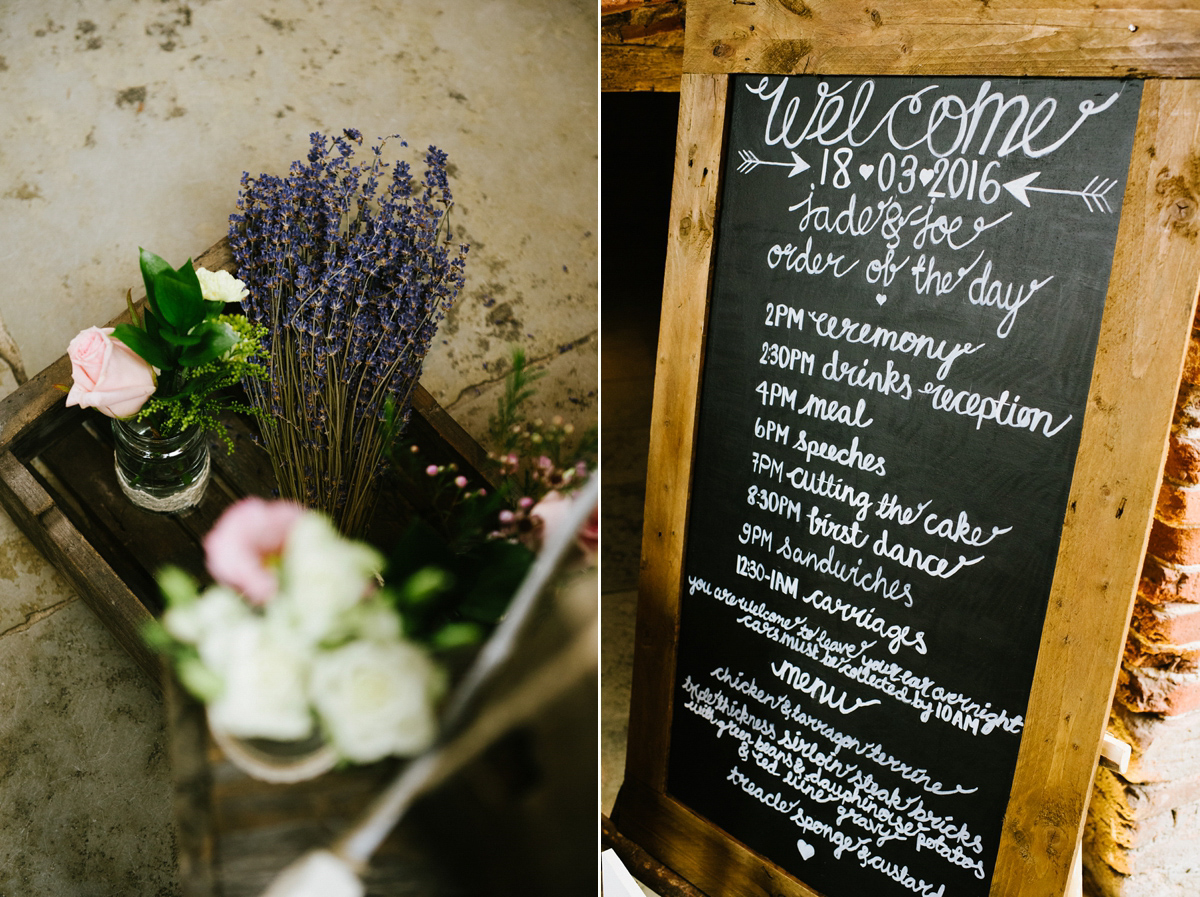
243,549
107,375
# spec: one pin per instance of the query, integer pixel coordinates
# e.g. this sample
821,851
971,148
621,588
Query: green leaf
181,304
178,586
199,679
133,312
151,265
456,635
218,339
156,636
151,323
187,274
424,585
150,350
183,340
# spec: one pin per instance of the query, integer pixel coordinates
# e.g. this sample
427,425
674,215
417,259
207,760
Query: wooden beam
676,391
641,46
1059,38
1143,340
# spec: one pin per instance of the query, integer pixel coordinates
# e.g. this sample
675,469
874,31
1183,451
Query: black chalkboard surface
909,281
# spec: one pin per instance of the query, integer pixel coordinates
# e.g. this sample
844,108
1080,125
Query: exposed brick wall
1142,837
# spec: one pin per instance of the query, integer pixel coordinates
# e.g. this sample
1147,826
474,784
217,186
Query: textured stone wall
1142,837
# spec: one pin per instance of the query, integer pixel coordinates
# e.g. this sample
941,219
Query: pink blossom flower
460,481
431,470
243,549
107,375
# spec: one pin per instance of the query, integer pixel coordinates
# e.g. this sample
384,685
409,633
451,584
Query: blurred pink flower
107,375
244,547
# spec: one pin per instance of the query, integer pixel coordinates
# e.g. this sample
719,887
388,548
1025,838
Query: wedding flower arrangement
350,272
169,369
296,636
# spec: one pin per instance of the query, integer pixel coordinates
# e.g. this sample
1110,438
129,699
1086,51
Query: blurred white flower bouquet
297,637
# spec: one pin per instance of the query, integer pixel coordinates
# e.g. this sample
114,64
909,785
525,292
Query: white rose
373,619
323,575
377,699
264,679
221,286
193,622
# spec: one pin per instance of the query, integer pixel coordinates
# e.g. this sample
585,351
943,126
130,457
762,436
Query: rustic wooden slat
642,866
1076,38
436,431
704,854
676,390
629,67
218,257
33,510
139,541
641,48
1144,336
24,409
192,777
247,469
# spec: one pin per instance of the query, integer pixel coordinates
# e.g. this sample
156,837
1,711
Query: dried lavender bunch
350,271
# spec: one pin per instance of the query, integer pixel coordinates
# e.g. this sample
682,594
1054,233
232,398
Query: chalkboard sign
924,315
909,282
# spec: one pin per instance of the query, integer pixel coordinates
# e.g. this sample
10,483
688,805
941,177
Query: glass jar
167,474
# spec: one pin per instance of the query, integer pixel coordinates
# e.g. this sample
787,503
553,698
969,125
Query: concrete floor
126,124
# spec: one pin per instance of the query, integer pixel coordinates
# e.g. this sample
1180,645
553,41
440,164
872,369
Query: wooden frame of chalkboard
1147,313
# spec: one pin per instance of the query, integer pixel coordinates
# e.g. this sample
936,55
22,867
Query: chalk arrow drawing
751,162
1093,195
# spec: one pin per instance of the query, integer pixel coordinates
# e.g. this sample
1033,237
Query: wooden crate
58,484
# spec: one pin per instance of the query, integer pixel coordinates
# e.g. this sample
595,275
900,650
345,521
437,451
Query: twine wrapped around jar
277,762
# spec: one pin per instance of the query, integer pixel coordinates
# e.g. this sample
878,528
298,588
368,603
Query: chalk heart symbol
806,849
881,298
866,170
925,176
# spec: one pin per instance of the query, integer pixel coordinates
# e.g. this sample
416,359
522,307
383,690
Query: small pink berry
431,470
526,502
460,481
506,516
